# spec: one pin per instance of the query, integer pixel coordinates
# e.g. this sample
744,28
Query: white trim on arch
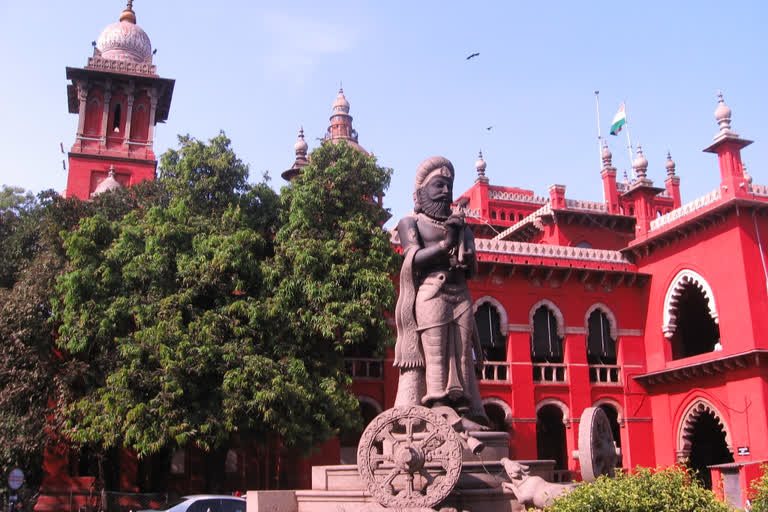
613,403
503,321
693,411
365,399
504,406
555,310
557,403
682,279
608,313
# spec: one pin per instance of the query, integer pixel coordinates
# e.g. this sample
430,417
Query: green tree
331,285
33,376
671,489
185,310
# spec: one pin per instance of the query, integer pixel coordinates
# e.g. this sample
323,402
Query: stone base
339,488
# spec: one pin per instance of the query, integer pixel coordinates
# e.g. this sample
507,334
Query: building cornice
751,359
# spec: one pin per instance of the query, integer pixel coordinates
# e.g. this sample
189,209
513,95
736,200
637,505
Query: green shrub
759,491
670,489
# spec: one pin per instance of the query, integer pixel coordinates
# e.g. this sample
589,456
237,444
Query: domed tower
341,123
119,98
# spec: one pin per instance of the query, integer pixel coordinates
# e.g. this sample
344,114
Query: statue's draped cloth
436,335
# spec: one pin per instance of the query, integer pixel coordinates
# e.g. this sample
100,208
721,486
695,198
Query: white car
204,503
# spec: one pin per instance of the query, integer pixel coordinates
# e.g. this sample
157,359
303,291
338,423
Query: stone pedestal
339,488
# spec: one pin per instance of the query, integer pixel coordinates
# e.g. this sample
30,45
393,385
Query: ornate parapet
550,251
501,195
686,209
593,206
121,66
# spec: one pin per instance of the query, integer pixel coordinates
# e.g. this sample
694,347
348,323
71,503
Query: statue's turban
431,167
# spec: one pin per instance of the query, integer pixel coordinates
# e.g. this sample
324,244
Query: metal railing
549,373
604,374
495,372
364,368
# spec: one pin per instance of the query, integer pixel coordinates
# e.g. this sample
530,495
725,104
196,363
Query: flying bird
472,55
489,128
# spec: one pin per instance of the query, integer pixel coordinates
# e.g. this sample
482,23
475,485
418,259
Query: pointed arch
608,313
685,278
690,416
613,403
503,319
365,399
555,310
554,402
501,404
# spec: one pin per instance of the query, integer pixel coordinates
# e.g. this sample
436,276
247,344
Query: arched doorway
550,435
369,409
613,419
704,440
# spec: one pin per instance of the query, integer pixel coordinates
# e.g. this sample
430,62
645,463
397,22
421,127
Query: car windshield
171,504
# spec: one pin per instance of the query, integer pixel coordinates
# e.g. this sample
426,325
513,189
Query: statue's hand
454,226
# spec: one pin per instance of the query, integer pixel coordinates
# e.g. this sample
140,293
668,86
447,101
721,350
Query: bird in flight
472,55
489,128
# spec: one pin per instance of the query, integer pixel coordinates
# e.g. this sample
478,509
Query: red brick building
648,308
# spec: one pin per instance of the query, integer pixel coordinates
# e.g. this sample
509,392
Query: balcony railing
549,373
604,374
364,368
495,372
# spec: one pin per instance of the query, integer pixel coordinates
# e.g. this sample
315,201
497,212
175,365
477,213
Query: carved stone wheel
409,457
597,451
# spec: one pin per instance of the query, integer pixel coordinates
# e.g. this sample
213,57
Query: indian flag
619,120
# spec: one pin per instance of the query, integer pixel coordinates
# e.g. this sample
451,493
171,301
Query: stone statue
529,489
437,347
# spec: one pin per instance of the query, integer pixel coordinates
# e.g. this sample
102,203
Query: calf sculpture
531,490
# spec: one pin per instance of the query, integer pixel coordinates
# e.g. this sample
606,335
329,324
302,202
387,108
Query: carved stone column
82,97
130,91
105,112
154,97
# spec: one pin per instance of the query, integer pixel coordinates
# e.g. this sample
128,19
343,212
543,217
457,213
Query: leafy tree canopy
197,316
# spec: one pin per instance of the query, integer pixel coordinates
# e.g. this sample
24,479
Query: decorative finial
607,156
640,165
112,169
723,115
670,165
480,165
626,177
747,176
128,14
301,144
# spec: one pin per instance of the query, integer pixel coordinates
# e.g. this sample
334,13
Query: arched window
601,346
546,343
117,118
690,316
492,340
369,409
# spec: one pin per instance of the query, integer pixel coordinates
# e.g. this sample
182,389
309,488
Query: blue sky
259,70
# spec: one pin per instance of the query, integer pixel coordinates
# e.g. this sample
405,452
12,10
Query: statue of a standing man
437,340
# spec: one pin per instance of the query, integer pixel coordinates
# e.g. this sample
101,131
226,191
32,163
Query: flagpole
599,134
599,137
629,141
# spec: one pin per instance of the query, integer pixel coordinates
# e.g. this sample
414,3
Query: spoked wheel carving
598,454
409,457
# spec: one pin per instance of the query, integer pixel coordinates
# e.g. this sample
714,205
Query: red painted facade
648,271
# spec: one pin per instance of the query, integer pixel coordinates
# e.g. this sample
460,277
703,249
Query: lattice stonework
688,422
682,279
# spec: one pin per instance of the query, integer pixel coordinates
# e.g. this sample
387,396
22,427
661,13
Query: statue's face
436,196
439,188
